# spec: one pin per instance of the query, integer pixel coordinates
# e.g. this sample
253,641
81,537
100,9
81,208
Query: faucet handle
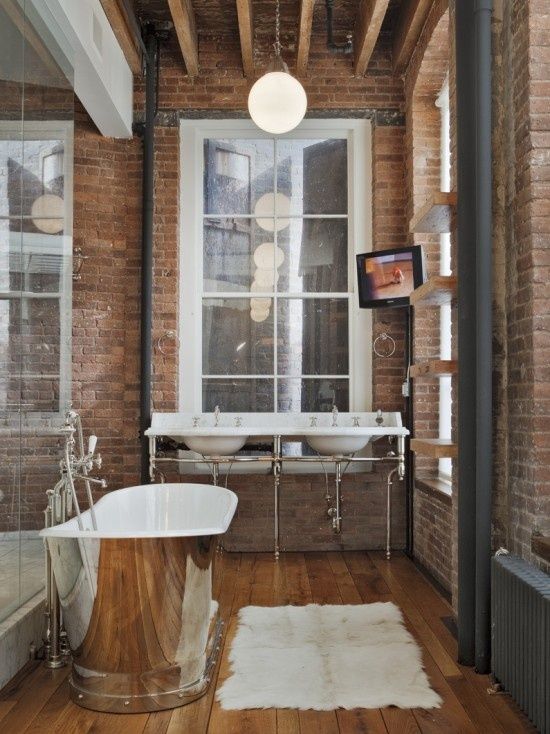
355,421
379,417
238,421
196,420
92,443
313,421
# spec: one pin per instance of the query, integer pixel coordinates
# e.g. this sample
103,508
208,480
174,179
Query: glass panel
237,174
238,396
315,395
238,253
302,168
312,336
315,256
237,336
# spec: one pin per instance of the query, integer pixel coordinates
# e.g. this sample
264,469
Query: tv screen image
387,277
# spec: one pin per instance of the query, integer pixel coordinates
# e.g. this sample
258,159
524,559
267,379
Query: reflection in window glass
269,233
237,336
302,175
238,396
236,174
316,256
312,336
312,395
233,251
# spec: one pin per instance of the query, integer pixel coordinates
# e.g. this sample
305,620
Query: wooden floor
39,702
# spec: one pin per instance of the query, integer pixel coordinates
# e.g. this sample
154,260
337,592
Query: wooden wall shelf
436,448
434,292
434,368
436,215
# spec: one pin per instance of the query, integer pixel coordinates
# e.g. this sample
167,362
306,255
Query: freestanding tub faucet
334,416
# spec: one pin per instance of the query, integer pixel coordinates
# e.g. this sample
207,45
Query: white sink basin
215,445
327,445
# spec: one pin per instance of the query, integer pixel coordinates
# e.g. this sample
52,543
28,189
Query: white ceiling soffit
103,80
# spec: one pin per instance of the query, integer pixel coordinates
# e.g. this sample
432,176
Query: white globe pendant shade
264,279
266,255
277,102
264,211
258,316
47,213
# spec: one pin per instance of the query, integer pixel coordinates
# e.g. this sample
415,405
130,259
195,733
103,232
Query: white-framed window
445,396
269,229
36,208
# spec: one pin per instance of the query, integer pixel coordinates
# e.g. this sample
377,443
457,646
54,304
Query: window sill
433,485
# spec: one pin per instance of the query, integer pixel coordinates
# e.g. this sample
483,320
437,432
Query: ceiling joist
367,29
304,36
408,27
126,38
246,33
183,17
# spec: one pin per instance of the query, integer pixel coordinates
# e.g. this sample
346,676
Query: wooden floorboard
39,702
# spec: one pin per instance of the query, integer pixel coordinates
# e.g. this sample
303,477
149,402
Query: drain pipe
484,334
474,224
332,46
151,61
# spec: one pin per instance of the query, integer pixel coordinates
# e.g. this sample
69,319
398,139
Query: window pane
295,395
237,336
238,396
302,175
312,336
238,253
237,173
315,256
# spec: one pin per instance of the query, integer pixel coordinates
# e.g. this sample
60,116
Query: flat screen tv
387,277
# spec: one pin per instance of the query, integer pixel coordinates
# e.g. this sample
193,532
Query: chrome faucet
334,416
313,421
379,417
355,421
217,413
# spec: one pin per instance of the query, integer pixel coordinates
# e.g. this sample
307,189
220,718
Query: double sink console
335,438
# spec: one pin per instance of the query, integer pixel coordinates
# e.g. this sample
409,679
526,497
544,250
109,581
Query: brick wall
106,350
521,241
432,515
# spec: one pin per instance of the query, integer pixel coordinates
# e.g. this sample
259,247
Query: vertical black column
466,270
484,335
147,250
474,184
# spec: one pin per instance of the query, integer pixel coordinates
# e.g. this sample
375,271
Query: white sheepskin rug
325,657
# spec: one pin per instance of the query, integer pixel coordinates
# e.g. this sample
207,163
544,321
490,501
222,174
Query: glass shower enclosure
36,134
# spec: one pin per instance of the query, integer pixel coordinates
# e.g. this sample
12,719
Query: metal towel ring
384,337
170,334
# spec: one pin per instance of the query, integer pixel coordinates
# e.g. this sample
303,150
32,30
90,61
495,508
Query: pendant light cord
277,44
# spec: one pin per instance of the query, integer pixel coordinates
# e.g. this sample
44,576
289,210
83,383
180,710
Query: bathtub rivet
180,695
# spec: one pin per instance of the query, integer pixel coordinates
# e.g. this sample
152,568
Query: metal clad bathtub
137,595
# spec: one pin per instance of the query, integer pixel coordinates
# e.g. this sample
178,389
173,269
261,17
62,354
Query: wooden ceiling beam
183,17
408,27
126,38
367,29
246,33
304,36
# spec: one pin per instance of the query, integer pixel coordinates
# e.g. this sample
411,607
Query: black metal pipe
409,423
466,267
474,183
484,333
332,46
146,348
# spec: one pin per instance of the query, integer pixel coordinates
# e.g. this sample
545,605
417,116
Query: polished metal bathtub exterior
140,618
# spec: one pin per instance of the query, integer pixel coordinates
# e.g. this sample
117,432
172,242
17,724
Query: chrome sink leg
388,511
215,473
337,517
276,486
